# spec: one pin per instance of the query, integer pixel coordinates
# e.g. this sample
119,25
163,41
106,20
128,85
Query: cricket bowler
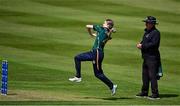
96,54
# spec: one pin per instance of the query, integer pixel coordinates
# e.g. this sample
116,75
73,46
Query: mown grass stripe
82,15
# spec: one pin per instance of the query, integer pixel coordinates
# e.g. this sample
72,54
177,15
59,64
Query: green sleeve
97,27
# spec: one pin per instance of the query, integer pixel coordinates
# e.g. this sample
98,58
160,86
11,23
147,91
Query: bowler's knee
77,58
99,76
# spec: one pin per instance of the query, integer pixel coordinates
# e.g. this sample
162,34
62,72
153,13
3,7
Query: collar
153,28
107,29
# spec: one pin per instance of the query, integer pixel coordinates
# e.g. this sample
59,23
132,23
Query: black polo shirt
150,44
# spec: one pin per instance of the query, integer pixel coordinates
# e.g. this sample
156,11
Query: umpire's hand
139,45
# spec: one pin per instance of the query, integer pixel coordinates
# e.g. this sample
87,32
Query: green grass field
40,38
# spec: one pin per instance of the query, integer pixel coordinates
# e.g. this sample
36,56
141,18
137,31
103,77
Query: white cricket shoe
75,79
113,90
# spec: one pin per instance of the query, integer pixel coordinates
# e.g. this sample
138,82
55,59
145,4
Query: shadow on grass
12,94
49,103
168,95
108,98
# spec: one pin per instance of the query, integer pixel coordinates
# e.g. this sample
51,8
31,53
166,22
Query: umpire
149,47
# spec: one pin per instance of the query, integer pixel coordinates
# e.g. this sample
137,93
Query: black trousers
149,75
96,56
